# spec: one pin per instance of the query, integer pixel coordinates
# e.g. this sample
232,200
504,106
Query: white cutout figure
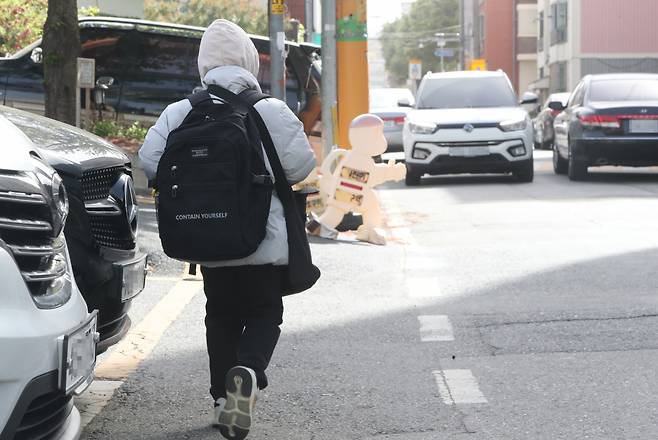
349,186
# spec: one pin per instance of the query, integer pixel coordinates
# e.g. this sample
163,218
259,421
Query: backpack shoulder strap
283,188
251,96
199,97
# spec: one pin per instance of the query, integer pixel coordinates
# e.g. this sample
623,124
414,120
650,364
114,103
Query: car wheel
412,178
526,172
577,169
560,165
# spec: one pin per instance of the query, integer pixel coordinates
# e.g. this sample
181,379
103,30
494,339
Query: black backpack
214,190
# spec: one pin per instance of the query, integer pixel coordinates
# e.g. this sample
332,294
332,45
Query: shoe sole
235,419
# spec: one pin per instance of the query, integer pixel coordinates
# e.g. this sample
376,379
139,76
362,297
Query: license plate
643,126
468,151
78,356
389,124
134,278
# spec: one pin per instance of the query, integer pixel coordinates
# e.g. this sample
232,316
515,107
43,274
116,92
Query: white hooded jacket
228,58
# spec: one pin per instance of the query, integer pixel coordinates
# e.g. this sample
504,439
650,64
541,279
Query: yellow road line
142,339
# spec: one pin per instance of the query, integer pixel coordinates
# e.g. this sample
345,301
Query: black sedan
101,230
544,135
610,120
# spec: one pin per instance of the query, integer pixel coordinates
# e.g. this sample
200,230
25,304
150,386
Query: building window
562,77
558,77
559,22
540,38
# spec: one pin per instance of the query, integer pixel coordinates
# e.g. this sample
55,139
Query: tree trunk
61,47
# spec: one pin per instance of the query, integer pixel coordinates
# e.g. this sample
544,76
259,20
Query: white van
47,337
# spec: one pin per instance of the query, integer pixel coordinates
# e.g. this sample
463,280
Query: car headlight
422,127
58,199
57,288
514,125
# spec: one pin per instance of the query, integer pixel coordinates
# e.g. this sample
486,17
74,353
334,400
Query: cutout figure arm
389,171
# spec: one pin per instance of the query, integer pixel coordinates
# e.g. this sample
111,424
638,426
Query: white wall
527,74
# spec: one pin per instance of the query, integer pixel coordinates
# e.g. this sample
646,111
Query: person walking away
244,307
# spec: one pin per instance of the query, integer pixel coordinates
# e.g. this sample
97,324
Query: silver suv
47,337
468,122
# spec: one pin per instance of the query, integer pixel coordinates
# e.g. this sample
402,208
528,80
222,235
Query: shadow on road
345,371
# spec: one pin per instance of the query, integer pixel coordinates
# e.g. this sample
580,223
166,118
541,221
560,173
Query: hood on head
225,43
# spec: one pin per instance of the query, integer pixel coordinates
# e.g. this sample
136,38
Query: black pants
243,312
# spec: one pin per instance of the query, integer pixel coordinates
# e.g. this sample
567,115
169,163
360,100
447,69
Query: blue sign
444,52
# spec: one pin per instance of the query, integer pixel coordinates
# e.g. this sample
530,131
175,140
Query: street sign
278,7
444,53
415,69
86,73
478,64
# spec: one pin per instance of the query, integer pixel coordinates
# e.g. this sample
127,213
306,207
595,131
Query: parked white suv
47,337
468,122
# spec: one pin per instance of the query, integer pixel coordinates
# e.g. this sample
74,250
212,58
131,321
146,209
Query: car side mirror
37,55
404,102
529,98
556,105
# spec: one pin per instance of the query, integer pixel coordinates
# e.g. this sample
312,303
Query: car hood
467,115
66,148
16,154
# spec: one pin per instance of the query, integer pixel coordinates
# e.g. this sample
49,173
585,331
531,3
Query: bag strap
199,97
283,189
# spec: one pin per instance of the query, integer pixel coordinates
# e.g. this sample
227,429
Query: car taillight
554,113
397,120
600,121
638,117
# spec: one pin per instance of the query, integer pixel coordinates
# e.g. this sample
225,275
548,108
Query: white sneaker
233,414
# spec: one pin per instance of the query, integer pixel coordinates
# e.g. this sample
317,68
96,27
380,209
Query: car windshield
624,90
480,92
383,98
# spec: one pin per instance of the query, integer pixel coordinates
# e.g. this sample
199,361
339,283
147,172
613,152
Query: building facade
504,34
581,37
525,44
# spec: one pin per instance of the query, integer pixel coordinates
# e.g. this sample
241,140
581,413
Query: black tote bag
300,274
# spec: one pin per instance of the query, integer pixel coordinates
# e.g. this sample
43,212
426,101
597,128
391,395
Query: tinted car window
160,70
466,93
166,55
624,90
109,48
576,98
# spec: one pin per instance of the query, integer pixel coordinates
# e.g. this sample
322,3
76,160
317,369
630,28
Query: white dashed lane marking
435,328
458,387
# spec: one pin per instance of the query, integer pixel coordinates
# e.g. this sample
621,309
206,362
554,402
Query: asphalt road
498,311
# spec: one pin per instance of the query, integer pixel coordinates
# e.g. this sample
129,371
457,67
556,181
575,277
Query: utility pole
462,34
277,10
352,61
441,44
329,89
308,23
